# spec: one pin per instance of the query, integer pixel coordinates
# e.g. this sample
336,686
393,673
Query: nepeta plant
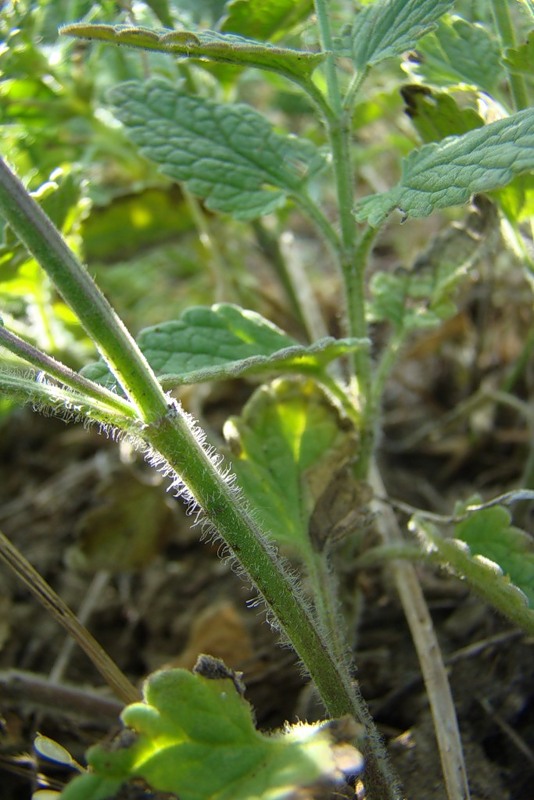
305,441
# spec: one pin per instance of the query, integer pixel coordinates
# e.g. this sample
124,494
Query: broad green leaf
223,48
488,533
436,115
458,53
225,341
262,19
287,445
228,154
194,736
448,173
390,27
517,199
521,59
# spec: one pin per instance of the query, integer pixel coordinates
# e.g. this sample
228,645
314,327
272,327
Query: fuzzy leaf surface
388,28
458,53
448,173
223,48
227,154
286,446
225,341
489,533
195,737
262,19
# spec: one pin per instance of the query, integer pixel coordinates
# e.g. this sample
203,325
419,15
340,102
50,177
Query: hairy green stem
168,431
503,22
62,373
79,291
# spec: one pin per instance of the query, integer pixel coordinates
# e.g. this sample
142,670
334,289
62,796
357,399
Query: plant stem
174,439
62,373
226,515
503,22
62,614
79,291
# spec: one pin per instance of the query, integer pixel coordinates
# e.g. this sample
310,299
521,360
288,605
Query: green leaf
225,341
228,154
287,445
521,59
194,737
494,558
388,28
489,534
447,173
222,48
459,53
436,115
262,19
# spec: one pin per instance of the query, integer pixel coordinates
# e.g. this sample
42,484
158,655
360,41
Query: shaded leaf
228,154
194,736
521,59
223,48
390,27
287,445
458,53
449,172
436,115
262,19
225,341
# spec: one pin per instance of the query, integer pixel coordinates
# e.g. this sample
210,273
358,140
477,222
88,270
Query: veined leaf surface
225,341
388,28
448,173
194,737
227,154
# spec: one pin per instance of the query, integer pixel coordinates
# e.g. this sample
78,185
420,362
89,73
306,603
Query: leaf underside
221,48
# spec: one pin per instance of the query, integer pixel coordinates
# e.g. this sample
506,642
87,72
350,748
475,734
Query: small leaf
459,53
228,154
489,534
194,737
436,115
225,341
447,173
287,445
498,562
521,59
262,19
222,48
388,28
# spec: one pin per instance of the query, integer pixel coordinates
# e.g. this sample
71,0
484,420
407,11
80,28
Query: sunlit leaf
390,27
225,341
448,173
488,533
287,445
521,59
195,738
222,48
